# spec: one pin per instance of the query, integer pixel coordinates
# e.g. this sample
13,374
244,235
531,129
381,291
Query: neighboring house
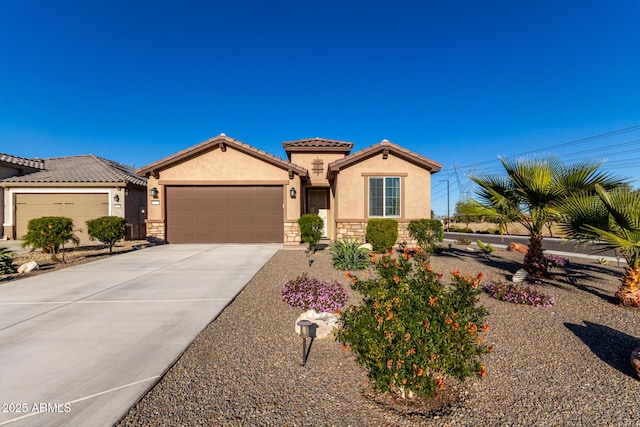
223,190
78,187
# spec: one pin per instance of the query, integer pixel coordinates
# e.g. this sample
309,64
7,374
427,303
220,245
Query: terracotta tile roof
317,144
223,141
383,147
21,162
80,169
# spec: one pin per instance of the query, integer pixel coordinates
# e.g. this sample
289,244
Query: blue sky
459,82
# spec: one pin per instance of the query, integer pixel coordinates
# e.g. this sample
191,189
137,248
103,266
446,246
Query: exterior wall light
154,192
116,198
305,332
292,192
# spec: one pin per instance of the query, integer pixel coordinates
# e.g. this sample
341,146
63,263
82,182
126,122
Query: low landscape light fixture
305,332
292,192
116,198
154,192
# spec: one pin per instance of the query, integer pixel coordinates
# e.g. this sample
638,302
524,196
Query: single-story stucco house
223,190
78,187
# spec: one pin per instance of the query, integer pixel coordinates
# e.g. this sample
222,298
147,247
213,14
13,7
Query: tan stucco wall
352,198
217,167
305,160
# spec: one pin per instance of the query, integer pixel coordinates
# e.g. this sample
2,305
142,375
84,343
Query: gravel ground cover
559,366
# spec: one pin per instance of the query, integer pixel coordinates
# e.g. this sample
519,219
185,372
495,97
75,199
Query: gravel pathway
560,366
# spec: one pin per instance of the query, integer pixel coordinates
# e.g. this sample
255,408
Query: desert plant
429,233
382,233
311,226
107,229
463,241
348,255
6,261
556,261
308,293
411,330
50,233
519,293
485,247
533,191
614,217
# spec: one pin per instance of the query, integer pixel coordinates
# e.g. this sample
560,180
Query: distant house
223,190
79,187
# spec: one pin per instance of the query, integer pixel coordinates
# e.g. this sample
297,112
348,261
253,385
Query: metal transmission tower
464,184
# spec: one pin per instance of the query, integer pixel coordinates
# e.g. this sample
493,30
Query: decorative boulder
520,276
366,246
518,247
322,323
28,266
635,360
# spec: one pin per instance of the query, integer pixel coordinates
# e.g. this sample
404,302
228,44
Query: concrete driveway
80,346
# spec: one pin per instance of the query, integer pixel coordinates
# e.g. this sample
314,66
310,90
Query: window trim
384,186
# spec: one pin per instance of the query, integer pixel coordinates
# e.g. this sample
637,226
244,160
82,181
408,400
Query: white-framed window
384,196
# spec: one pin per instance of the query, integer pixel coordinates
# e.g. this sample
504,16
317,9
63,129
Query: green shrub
6,261
463,241
429,233
485,247
382,233
107,229
411,330
311,226
347,255
50,233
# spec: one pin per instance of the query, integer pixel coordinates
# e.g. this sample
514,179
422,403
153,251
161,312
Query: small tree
427,232
107,229
311,226
382,233
50,233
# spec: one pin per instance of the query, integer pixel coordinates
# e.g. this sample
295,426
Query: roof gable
221,141
385,148
80,169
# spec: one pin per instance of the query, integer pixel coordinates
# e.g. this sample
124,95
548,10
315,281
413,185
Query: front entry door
318,203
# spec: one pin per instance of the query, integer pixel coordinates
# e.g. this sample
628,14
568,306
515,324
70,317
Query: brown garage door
224,214
79,207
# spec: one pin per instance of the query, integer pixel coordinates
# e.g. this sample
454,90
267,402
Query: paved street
79,346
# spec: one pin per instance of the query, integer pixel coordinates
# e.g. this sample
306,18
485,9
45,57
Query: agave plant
6,261
613,217
348,255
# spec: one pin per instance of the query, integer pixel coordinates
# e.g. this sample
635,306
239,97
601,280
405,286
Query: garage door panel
224,214
80,207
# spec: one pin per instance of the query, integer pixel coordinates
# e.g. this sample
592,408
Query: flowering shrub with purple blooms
519,293
307,293
556,261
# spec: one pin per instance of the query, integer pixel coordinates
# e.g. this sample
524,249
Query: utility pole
448,214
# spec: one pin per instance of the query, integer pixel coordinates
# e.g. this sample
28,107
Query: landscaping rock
366,246
518,247
520,276
28,266
635,360
323,323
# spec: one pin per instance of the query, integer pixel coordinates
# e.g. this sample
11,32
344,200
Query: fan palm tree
531,193
613,217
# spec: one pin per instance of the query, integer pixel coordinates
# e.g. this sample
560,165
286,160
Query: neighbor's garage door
78,207
224,214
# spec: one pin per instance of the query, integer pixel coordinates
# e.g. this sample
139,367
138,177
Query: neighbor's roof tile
80,169
21,161
317,144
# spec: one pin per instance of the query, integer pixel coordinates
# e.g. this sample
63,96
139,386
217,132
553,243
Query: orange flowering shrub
412,331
